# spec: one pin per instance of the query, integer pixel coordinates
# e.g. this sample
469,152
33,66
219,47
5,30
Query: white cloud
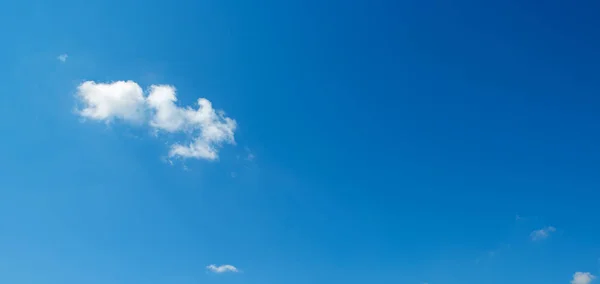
167,116
222,268
122,100
212,127
542,233
582,278
207,129
62,57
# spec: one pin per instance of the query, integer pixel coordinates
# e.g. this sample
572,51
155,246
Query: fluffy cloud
222,269
582,278
208,129
543,233
212,127
106,102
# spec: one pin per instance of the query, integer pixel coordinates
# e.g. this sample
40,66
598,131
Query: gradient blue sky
392,142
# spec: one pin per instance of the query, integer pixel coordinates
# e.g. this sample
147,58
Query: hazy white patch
222,268
63,57
542,234
250,156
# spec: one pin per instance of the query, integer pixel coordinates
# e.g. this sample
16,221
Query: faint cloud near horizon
63,57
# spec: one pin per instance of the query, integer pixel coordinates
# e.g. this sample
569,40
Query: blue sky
336,142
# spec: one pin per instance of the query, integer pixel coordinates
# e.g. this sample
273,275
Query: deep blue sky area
376,142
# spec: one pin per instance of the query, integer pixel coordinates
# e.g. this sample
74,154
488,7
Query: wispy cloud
521,218
542,234
207,129
582,278
62,57
492,253
249,155
222,268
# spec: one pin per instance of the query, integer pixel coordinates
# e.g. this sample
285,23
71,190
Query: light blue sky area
257,142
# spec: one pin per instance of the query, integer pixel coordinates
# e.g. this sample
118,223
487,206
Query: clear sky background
375,142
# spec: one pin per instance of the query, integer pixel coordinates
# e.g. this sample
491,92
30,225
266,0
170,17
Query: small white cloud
212,127
582,278
118,100
222,268
207,129
543,233
62,57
